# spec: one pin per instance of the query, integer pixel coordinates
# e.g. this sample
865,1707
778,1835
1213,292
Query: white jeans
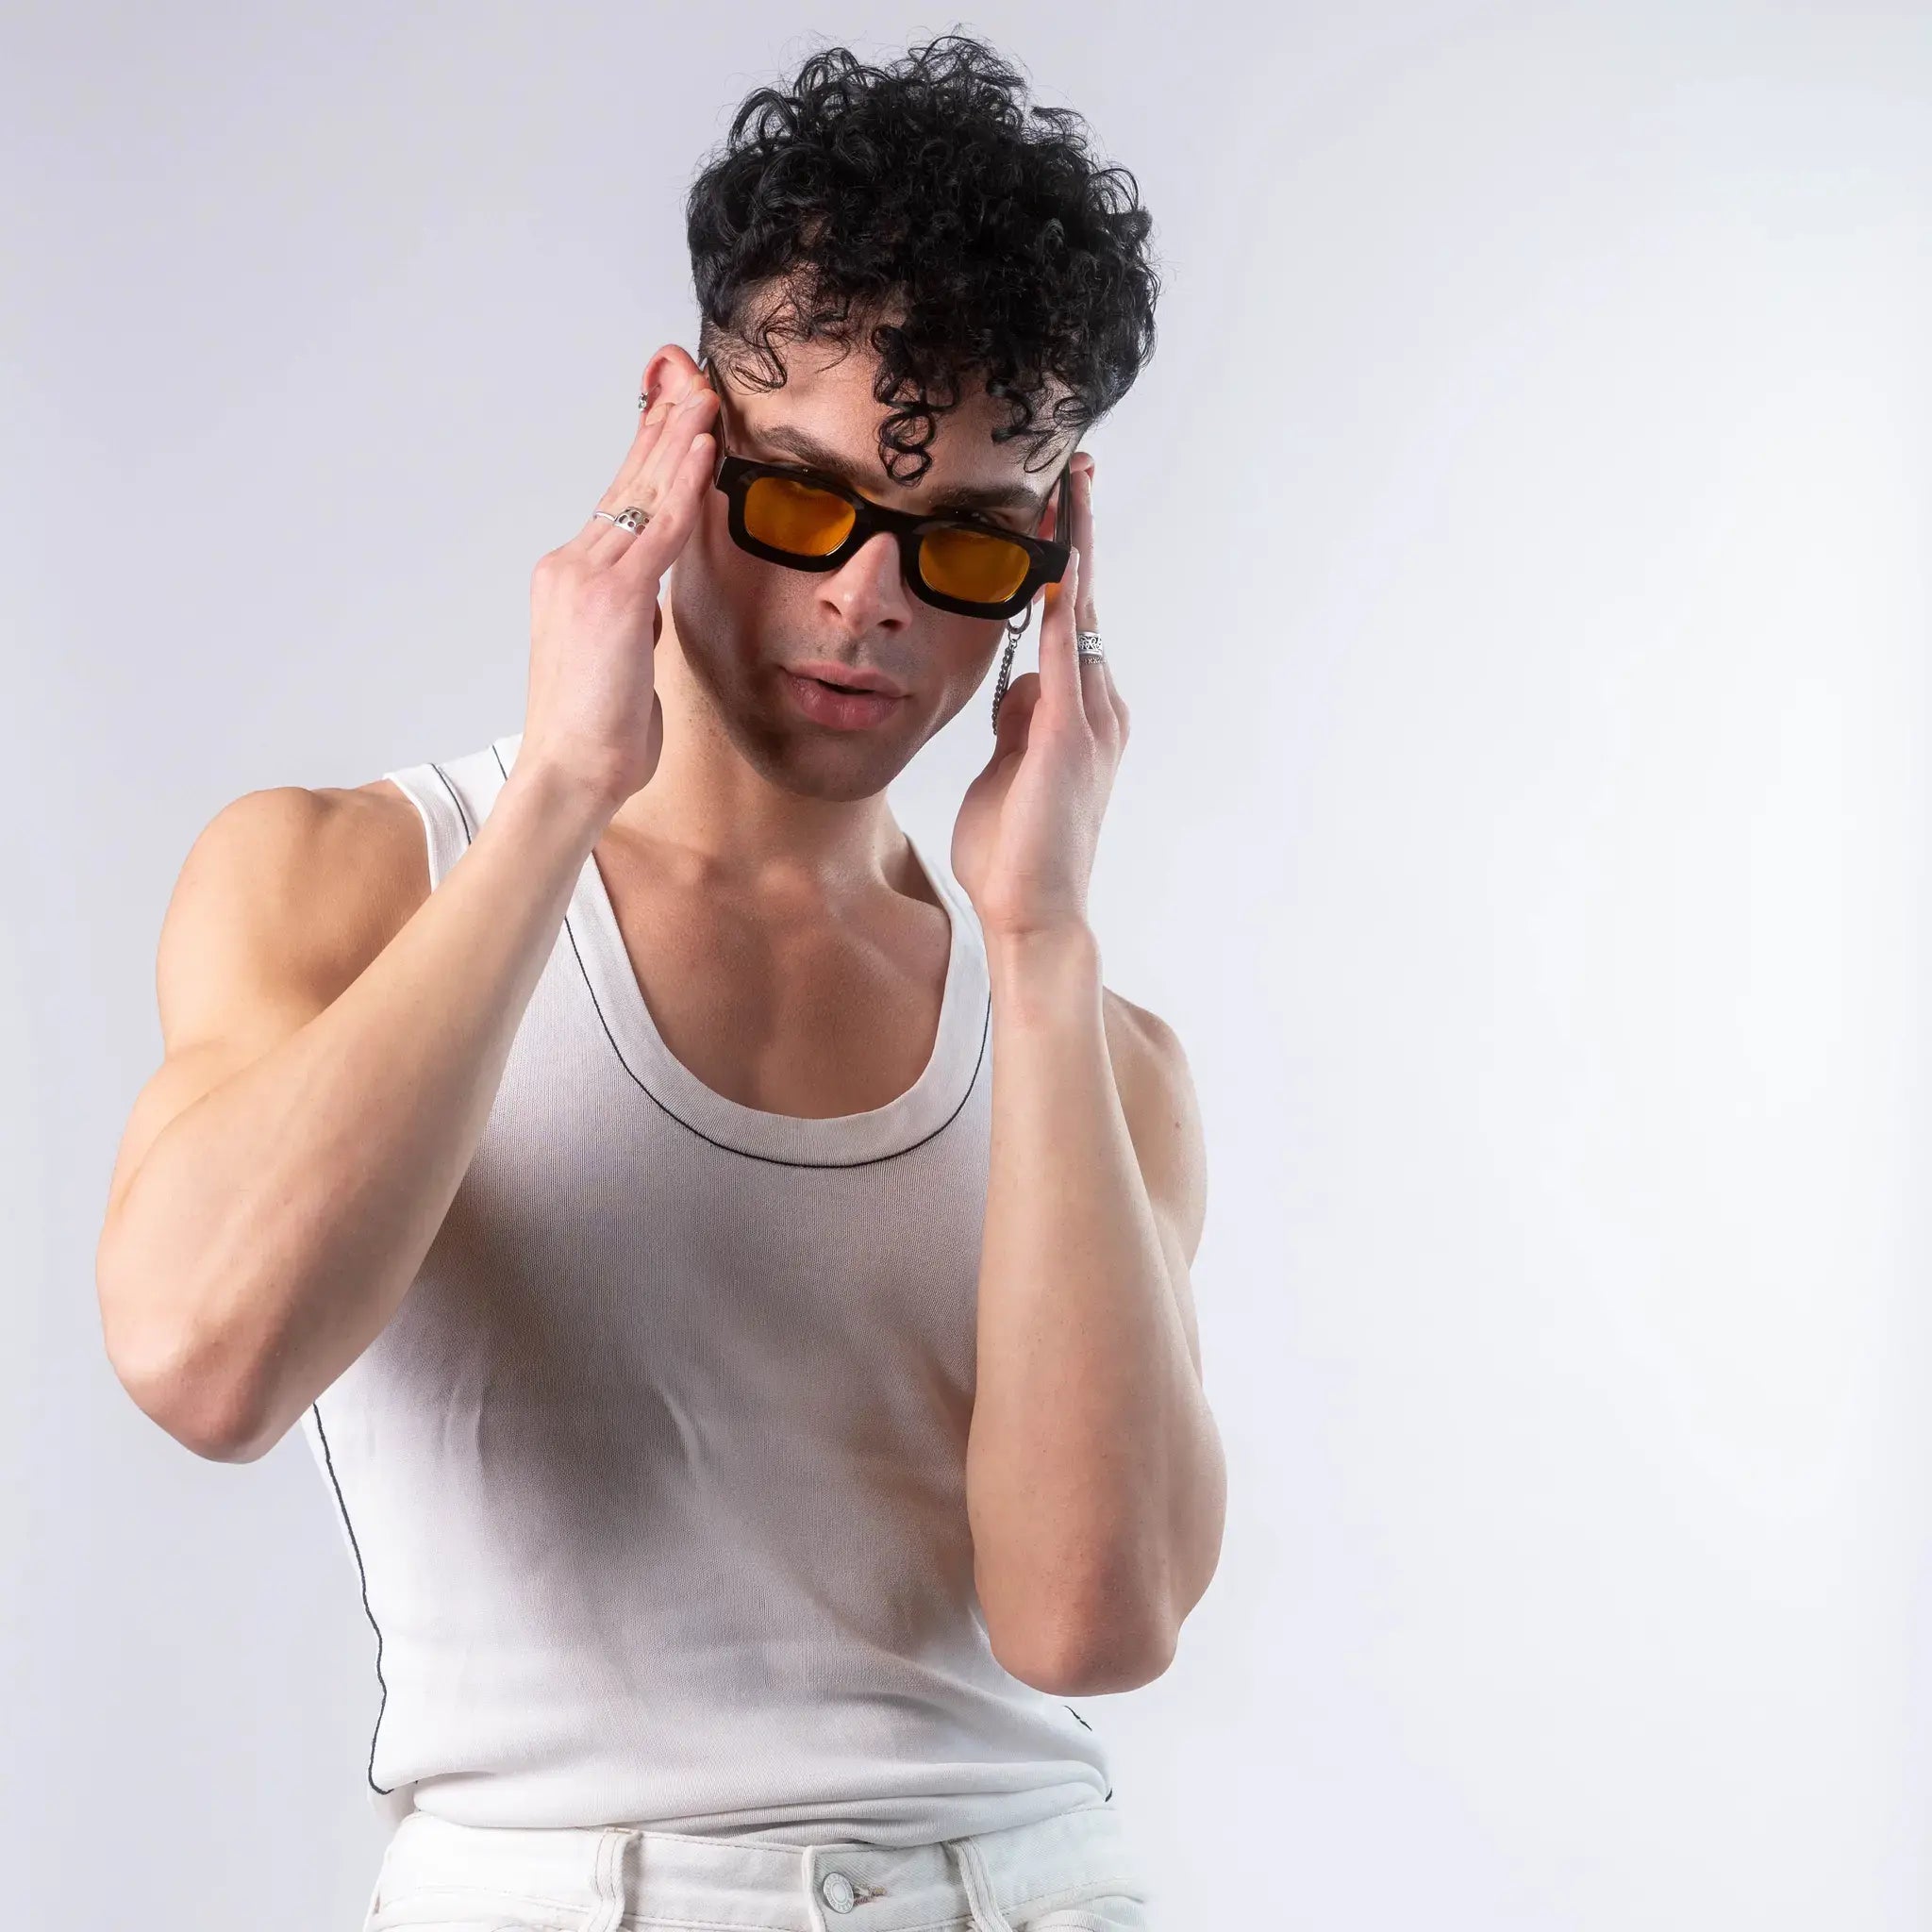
1074,1873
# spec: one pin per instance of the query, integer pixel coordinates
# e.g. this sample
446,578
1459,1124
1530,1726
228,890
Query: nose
867,590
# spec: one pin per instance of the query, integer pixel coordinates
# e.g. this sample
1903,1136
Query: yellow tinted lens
795,517
971,565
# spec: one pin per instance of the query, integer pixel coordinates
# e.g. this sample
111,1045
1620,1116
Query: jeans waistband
614,1878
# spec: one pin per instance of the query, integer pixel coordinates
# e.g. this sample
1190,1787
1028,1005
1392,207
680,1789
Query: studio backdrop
1514,556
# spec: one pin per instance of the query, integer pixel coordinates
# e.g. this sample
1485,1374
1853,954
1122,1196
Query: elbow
1105,1668
178,1388
200,1415
1109,1626
1091,1660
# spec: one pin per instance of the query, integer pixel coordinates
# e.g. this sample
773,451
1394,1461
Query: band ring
631,518
1087,644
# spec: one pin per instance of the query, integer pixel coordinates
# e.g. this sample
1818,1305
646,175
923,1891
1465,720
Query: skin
792,958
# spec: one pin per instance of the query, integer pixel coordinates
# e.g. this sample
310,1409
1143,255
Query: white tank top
655,1484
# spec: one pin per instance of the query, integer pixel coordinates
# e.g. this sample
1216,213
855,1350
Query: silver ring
631,518
1087,644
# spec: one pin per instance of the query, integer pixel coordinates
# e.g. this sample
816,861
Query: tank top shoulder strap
452,797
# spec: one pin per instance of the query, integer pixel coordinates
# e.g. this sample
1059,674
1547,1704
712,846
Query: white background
1515,559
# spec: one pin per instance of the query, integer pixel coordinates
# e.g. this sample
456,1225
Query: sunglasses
806,519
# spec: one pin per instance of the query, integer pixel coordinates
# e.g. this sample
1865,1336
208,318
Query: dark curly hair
921,189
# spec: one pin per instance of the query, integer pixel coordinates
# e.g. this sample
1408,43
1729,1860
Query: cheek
969,647
720,597
964,649
729,577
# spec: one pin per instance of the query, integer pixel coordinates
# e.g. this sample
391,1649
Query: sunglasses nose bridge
871,522
860,538
904,568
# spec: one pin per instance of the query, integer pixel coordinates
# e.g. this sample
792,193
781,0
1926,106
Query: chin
813,766
812,762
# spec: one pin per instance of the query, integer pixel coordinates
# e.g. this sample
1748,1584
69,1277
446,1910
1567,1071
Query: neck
725,818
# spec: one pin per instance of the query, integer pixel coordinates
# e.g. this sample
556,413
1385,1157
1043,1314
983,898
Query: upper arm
1163,1117
283,898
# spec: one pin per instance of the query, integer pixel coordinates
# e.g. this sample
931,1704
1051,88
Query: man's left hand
1024,841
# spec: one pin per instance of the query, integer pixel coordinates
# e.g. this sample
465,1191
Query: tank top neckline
665,1083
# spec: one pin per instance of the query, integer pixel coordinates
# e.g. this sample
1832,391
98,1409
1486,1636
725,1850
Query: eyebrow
987,496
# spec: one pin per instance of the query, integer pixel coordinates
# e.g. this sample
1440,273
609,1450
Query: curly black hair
921,191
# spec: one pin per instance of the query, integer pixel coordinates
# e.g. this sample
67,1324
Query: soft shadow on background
1515,559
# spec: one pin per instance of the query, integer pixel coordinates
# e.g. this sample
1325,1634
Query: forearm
274,1226
1093,1467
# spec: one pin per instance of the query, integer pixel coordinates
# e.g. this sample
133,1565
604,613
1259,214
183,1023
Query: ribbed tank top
654,1483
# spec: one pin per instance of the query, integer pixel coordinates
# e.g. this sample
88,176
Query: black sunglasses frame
1047,561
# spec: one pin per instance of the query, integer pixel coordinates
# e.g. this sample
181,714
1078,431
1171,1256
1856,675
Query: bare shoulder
301,884
1157,1090
285,896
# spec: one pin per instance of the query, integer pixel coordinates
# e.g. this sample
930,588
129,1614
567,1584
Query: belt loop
608,1877
987,1916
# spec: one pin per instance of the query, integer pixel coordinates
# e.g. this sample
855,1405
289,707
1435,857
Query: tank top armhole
445,824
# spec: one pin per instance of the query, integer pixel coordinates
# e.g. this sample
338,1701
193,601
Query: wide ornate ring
1087,644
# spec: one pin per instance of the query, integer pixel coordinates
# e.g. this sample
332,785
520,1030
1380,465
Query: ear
668,374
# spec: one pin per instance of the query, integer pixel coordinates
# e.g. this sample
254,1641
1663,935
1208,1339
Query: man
732,1277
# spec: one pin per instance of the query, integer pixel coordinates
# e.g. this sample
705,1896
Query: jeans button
836,1889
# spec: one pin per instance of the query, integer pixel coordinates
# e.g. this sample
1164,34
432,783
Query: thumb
1016,715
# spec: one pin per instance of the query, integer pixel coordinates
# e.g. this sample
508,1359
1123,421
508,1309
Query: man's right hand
592,713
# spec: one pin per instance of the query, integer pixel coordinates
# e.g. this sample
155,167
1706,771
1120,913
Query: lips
847,676
844,708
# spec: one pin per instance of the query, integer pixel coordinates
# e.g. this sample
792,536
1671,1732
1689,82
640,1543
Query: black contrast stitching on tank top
456,797
315,1408
773,1159
726,1146
1107,1794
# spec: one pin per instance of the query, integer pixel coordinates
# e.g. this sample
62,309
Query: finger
649,469
682,383
649,433
1060,668
656,456
685,413
648,554
680,375
1116,706
1096,696
1016,716
1082,526
1096,681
